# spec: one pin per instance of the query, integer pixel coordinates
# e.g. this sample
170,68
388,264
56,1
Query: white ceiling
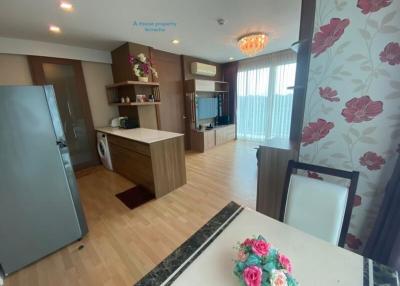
105,24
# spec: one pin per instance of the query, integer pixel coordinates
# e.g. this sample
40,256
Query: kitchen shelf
130,88
136,103
132,82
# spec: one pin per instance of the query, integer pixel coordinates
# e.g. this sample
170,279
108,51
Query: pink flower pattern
357,201
329,94
358,109
353,242
391,54
315,131
362,109
372,161
369,6
328,35
314,175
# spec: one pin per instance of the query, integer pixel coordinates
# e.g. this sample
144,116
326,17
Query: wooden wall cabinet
121,68
127,86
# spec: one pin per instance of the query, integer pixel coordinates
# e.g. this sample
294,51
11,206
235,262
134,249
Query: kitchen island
151,158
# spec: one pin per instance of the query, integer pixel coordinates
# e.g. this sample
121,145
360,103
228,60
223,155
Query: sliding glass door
252,102
264,100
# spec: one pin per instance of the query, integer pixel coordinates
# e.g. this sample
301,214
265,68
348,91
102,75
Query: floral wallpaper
352,116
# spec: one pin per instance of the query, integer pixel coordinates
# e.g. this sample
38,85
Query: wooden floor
122,244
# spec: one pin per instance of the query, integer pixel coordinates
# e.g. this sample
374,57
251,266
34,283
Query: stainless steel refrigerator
40,210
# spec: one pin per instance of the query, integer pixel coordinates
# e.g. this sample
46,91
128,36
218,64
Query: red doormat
135,197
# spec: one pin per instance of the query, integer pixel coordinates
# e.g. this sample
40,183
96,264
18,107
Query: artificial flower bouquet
258,264
142,66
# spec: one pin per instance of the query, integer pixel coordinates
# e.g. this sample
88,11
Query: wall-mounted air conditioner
203,69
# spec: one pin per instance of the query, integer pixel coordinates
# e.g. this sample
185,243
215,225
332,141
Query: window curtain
229,74
264,102
384,242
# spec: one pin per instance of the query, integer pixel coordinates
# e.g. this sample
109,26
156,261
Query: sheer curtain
264,102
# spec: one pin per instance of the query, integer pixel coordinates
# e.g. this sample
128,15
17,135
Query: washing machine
104,150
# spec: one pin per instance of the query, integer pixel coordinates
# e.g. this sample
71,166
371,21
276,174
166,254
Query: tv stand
196,90
203,140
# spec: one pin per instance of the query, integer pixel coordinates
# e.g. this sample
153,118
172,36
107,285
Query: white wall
14,70
45,49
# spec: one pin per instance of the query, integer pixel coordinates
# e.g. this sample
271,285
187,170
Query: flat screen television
207,107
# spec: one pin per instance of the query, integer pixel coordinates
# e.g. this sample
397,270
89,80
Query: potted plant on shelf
142,67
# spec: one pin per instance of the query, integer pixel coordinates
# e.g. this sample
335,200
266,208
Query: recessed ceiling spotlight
54,29
66,6
231,58
175,42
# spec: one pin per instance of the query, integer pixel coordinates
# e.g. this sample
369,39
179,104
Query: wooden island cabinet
151,158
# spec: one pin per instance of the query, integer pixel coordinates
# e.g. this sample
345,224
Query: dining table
208,256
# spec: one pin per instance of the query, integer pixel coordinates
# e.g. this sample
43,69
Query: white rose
278,278
141,57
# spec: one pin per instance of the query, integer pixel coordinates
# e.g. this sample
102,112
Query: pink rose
260,247
278,278
242,256
328,94
252,276
359,109
391,54
285,262
315,131
328,35
247,242
368,6
372,161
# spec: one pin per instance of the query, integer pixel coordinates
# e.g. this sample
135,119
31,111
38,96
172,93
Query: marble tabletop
206,258
142,135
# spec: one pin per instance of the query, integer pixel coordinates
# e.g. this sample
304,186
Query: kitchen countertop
142,135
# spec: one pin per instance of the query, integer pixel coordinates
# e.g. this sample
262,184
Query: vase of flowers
258,264
142,67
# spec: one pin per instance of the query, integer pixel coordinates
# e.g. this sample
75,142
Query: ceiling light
253,43
231,59
175,42
66,6
54,29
